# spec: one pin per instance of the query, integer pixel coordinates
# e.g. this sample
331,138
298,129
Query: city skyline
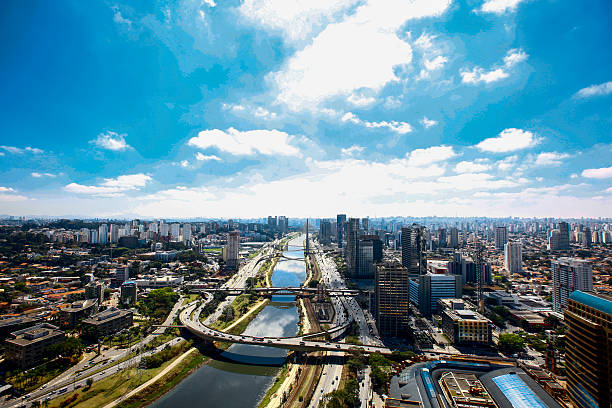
201,109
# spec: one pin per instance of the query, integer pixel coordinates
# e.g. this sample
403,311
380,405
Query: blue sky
306,108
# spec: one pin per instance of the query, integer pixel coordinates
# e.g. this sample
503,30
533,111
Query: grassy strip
280,379
241,306
241,327
166,383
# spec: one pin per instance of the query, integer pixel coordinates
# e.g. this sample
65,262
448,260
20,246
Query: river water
232,381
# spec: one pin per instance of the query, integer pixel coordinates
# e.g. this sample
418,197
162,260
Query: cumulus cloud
480,75
359,52
472,167
427,123
434,154
111,187
550,158
600,173
499,6
507,162
111,141
204,157
397,127
247,143
509,140
350,151
595,90
19,150
8,194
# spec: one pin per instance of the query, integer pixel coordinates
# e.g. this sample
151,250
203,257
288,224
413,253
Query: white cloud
609,190
601,173
595,90
357,53
499,6
434,154
574,176
361,100
397,127
350,151
427,123
111,141
507,162
8,194
184,163
262,112
509,140
18,150
247,143
550,158
204,157
111,187
478,74
471,167
40,175
436,63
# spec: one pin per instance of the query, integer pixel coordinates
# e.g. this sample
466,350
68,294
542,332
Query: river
228,384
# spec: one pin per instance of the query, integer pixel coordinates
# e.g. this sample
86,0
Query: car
63,390
43,387
337,346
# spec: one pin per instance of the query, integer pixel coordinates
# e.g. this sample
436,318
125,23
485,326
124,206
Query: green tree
510,343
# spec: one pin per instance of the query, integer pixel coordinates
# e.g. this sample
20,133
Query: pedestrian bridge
300,290
189,318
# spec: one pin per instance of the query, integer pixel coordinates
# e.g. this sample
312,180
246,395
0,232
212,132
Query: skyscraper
103,234
392,299
433,287
413,245
365,259
513,257
283,224
443,243
454,237
114,233
272,222
377,246
186,233
365,224
588,356
231,250
340,225
501,237
175,231
352,246
564,236
568,275
325,229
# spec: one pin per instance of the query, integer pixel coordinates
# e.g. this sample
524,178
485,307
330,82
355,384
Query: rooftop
600,302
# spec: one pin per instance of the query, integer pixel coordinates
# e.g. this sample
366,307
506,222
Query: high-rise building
175,231
164,229
365,224
103,234
513,257
352,247
231,250
442,241
340,225
433,287
325,231
114,233
129,292
377,246
588,356
365,259
93,237
283,224
501,237
95,290
413,245
466,267
392,294
553,240
564,244
272,222
568,275
454,237
186,233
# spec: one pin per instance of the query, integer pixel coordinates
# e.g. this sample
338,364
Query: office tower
103,234
352,246
122,274
501,237
588,356
93,237
164,230
340,222
513,257
564,236
95,290
553,240
413,245
432,287
392,300
325,231
272,223
186,233
230,252
153,227
114,233
377,246
466,268
454,237
365,224
283,224
442,242
175,231
365,259
568,275
128,293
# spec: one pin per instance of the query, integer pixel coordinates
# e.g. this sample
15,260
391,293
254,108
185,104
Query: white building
230,252
186,233
513,257
568,275
114,233
103,234
175,231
